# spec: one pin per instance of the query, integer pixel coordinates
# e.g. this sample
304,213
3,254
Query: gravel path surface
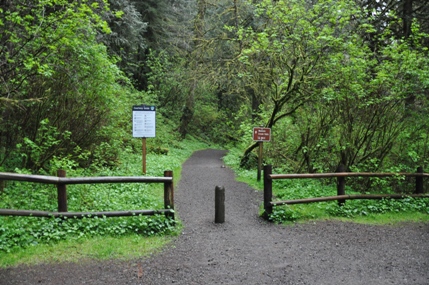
247,250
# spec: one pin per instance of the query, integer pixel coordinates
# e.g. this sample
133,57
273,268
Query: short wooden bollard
219,204
341,185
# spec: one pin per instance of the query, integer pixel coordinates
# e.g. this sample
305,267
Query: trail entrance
246,249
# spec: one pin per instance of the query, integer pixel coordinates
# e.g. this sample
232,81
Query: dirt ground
248,250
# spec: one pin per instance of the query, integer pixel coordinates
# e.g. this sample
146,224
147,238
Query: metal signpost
261,135
144,125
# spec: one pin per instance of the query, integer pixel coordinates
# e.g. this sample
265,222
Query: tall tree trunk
195,58
407,19
187,112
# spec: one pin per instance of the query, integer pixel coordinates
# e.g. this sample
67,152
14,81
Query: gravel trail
248,250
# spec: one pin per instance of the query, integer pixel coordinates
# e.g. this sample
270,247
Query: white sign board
144,121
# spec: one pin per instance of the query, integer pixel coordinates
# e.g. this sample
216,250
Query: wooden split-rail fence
61,181
341,196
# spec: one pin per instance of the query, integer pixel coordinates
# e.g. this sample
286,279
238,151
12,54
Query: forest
337,81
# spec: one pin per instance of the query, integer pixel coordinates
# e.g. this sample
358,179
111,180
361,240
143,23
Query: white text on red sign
261,134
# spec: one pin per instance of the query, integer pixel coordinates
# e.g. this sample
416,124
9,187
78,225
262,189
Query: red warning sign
262,134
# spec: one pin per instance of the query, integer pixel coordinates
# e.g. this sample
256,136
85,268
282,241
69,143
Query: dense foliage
59,85
338,81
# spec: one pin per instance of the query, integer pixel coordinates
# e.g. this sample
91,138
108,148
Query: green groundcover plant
377,211
22,232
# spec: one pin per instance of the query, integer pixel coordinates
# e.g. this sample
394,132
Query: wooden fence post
2,186
219,204
419,181
260,152
268,191
62,192
341,184
169,194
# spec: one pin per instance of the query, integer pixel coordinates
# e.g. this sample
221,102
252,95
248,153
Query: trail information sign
262,134
144,121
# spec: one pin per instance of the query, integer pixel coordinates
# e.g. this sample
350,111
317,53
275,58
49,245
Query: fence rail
346,174
81,180
61,181
341,196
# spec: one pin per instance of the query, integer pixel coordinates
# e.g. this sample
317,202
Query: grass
122,246
391,218
99,248
381,212
317,212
